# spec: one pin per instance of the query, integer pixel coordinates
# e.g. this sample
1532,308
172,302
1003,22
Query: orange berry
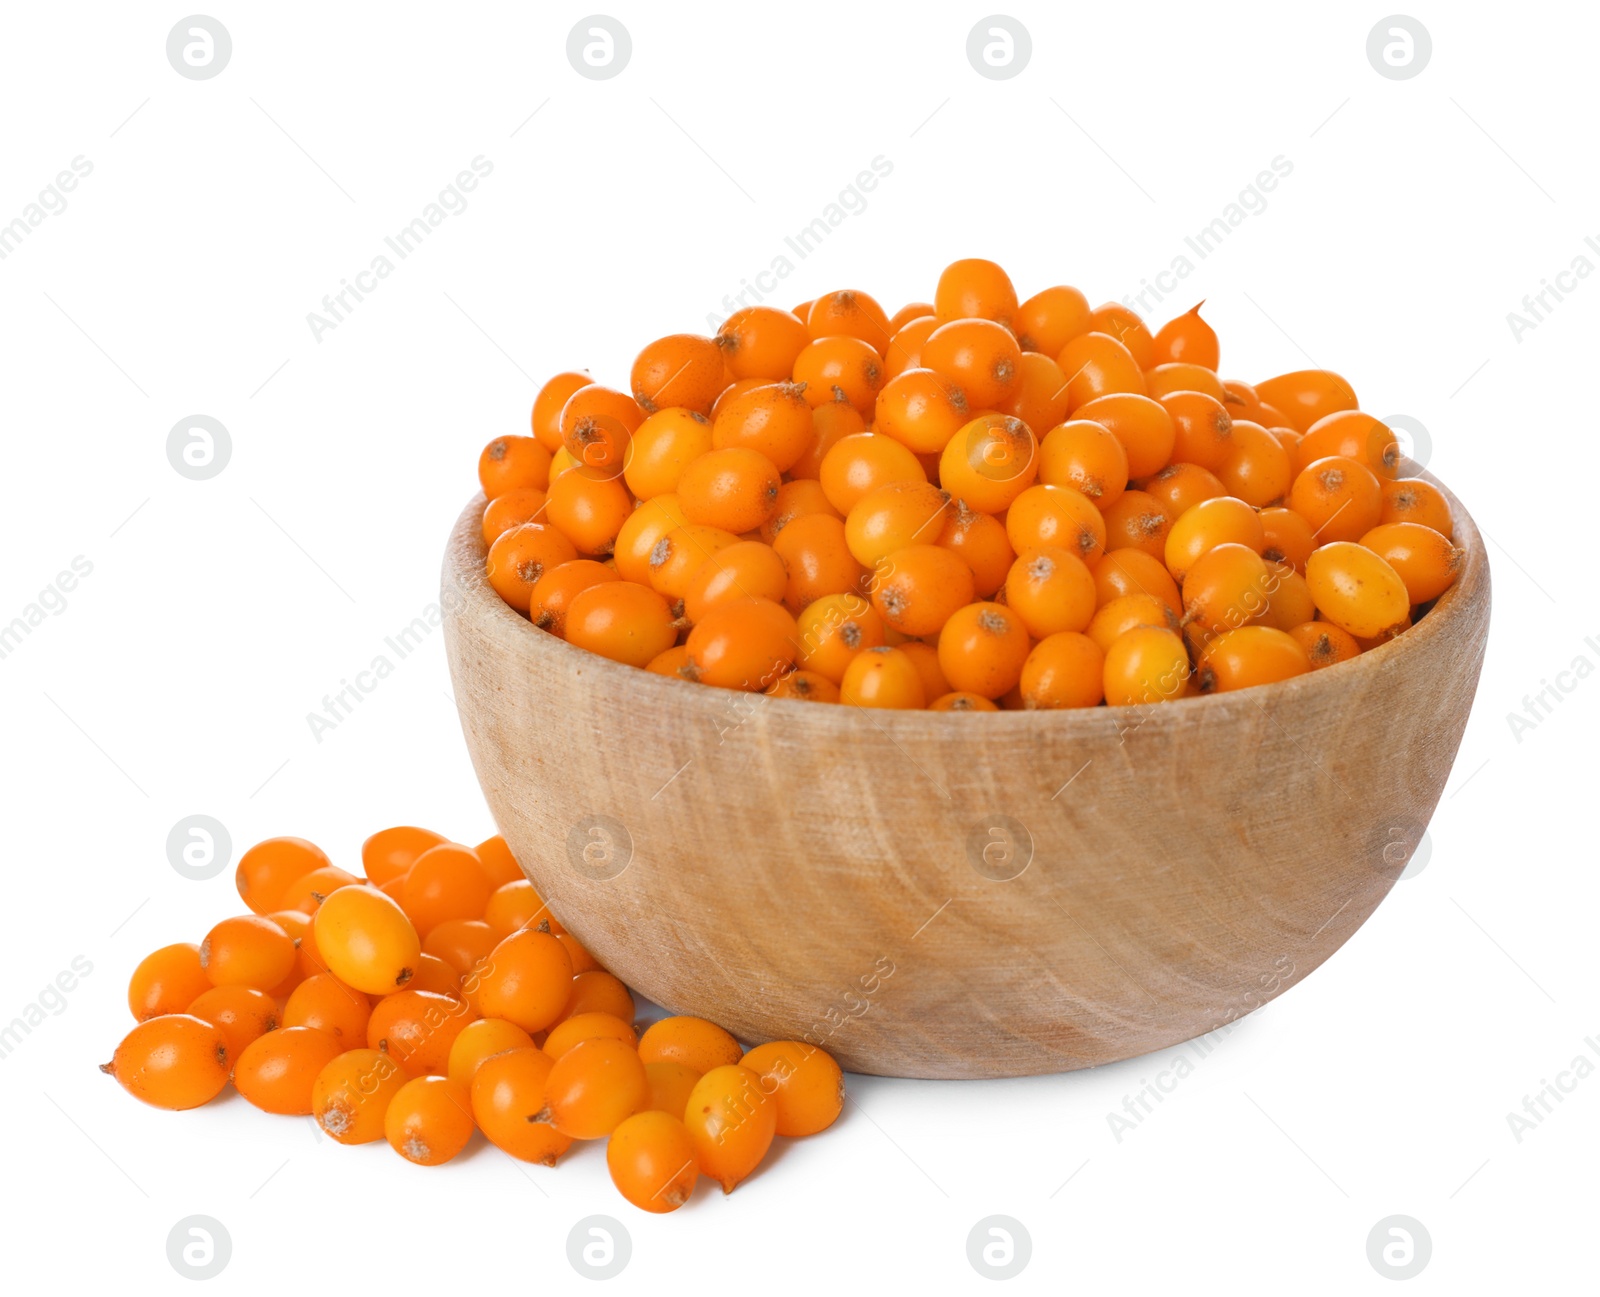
1257,467
962,702
1088,457
1146,665
1040,399
747,570
1249,656
267,870
1125,613
829,423
921,410
172,1061
815,551
1411,499
1307,395
240,1013
388,853
796,499
804,686
1355,435
1179,487
520,557
891,517
351,1095
510,1106
982,648
595,1086
1051,590
1186,338
651,1158
277,1071
429,1120
526,980
682,370
917,588
1339,497
1056,516
978,356
1357,590
598,991
417,1029
324,1002
641,533
774,421
556,589
679,554
694,1042
990,462
665,444
511,462
882,677
307,893
734,488
481,1039
1207,525
840,368
547,407
732,1120
1324,643
1063,670
905,347
622,621
461,943
597,423
587,1026
1164,380
1288,538
670,1086
806,1085
167,980
250,950
588,506
1426,560
849,313
446,882
519,505
1228,586
1097,365
1051,318
1137,520
367,940
743,644
981,540
861,462
1201,426
1130,571
514,905
832,630
975,289
761,342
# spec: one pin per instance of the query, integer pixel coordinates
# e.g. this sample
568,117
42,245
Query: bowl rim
464,570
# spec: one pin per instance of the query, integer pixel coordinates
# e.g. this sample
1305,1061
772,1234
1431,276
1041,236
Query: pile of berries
972,504
326,1001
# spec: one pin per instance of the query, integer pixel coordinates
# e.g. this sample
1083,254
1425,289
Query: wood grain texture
803,871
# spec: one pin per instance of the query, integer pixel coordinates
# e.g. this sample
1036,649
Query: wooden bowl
935,895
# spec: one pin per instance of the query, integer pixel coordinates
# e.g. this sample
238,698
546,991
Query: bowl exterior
959,896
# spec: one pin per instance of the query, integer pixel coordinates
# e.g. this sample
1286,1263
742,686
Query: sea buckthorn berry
762,342
680,553
1088,457
978,356
905,347
1051,590
514,905
352,1094
921,410
910,311
508,463
598,991
694,1042
774,421
829,425
956,701
587,1026
1128,328
735,489
1229,585
433,974
1288,538
732,1119
747,570
1146,665
510,1107
481,1039
1044,516
990,462
1142,425
582,960
307,893
240,1013
168,980
743,644
843,369
1324,643
1411,499
915,589
1097,365
172,1061
417,1029
1355,435
669,663
561,462
981,540
860,463
1241,399
1124,614
446,882
805,1082
461,943
589,508
367,940
1207,525
1040,400
832,630
1131,571
597,423
267,870
622,621
388,853
1249,656
594,1087
1186,338
1307,395
796,499
548,404
982,648
665,444
682,369
1290,602
429,1120
1357,590
818,557
1063,670
882,677
1051,318
250,950
893,516
849,313
520,557
975,289
1256,469
308,961
527,980
277,1071
555,590
1164,380
640,534
1201,426
1179,487
1426,560
324,1002
1339,497
651,1158
1136,520
804,686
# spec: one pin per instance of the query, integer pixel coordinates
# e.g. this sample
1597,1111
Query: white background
219,613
